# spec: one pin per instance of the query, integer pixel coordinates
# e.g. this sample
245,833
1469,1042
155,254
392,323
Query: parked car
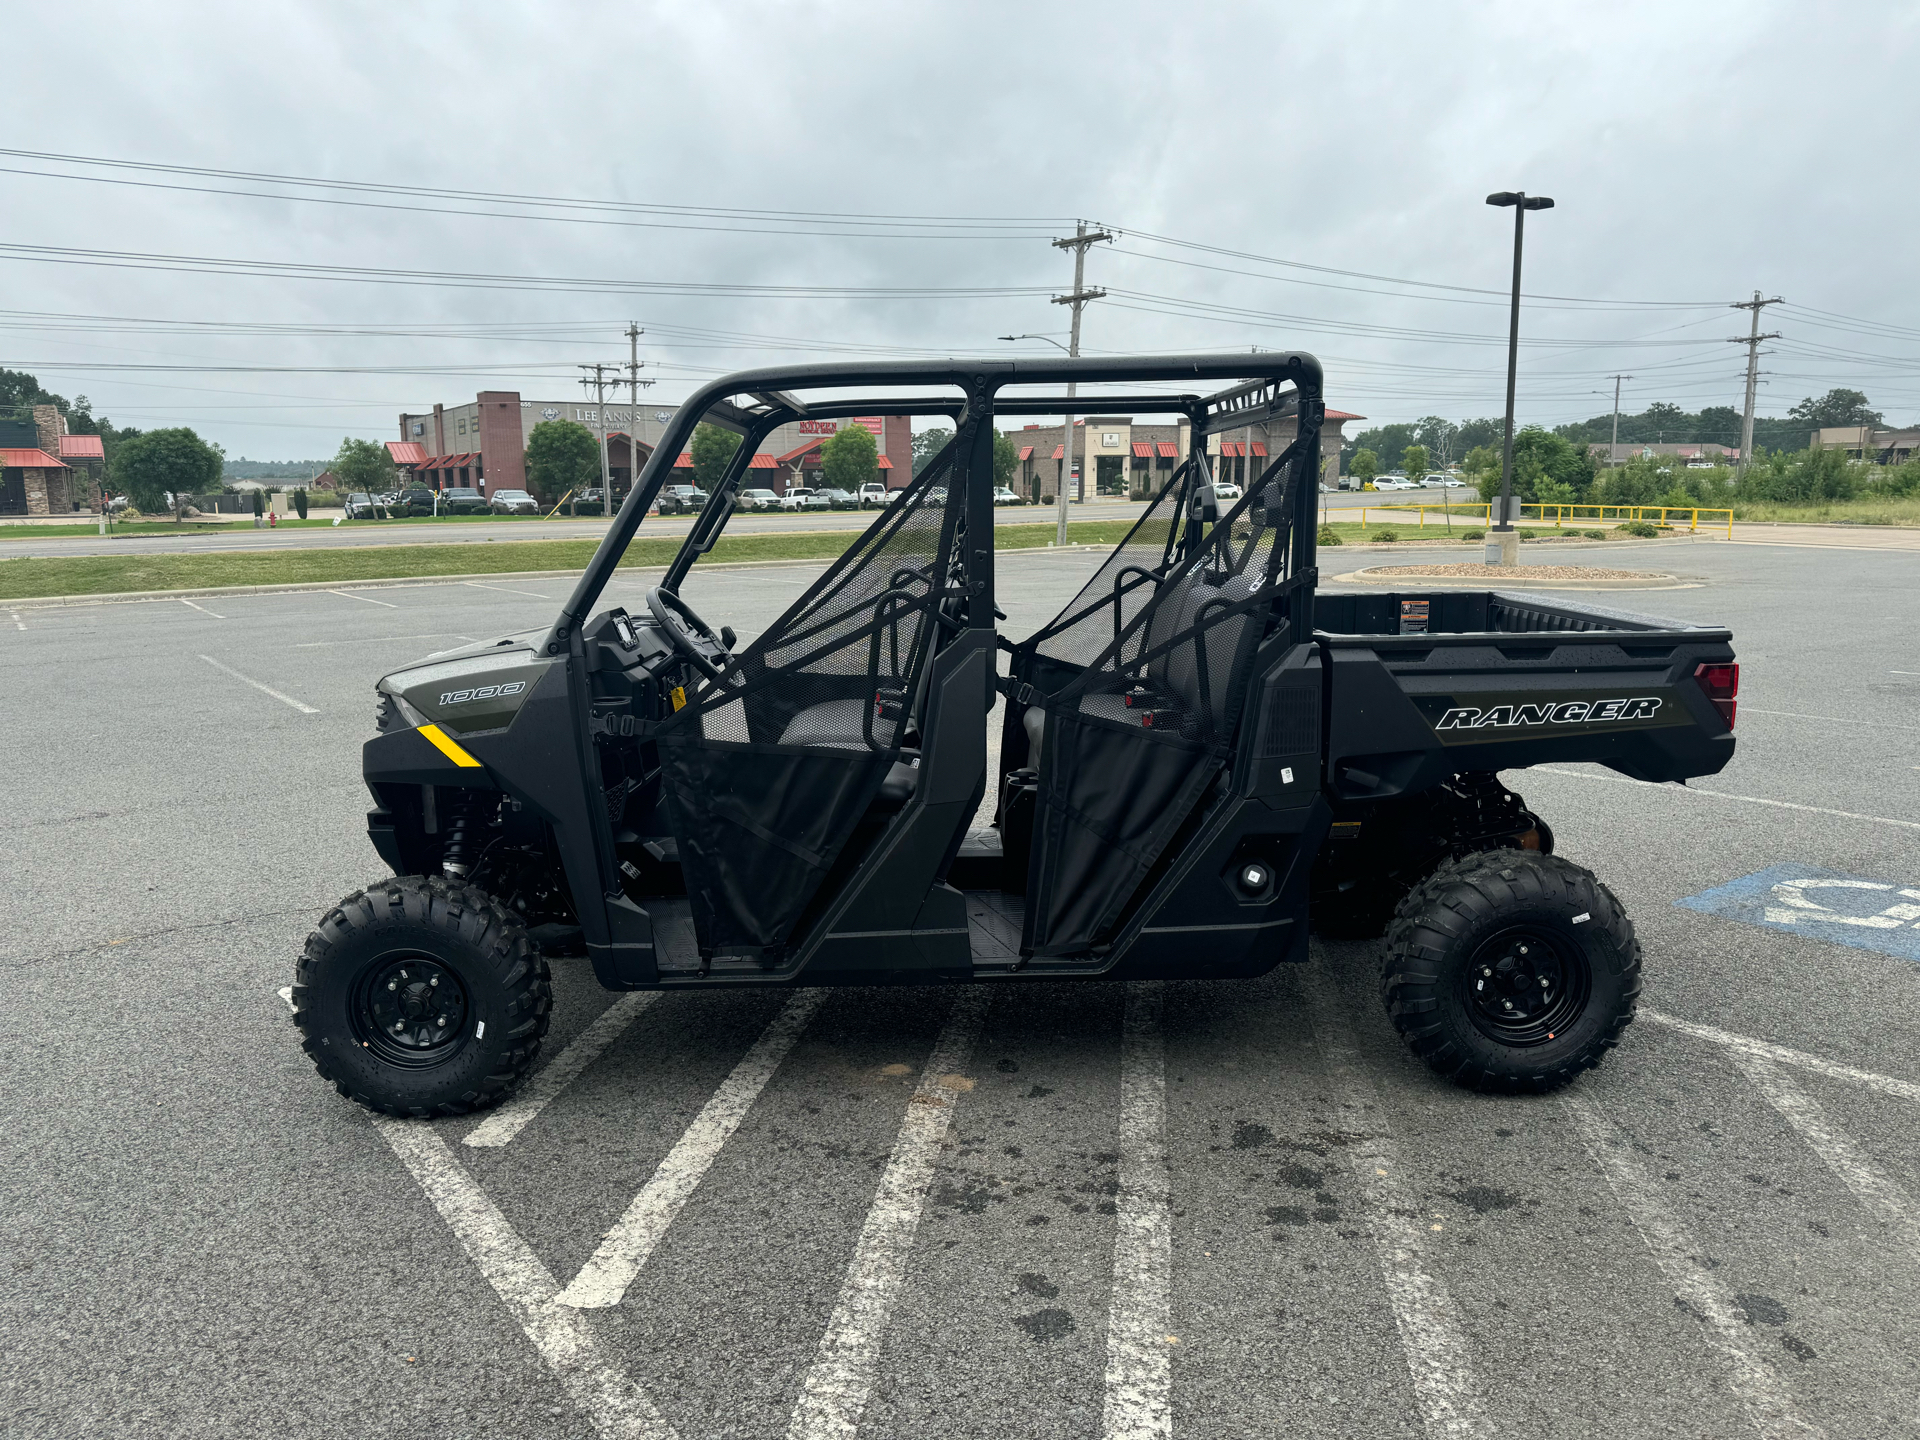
828,498
681,499
758,500
593,501
937,496
462,500
1226,490
1004,496
796,494
362,506
875,493
1436,480
513,502
415,500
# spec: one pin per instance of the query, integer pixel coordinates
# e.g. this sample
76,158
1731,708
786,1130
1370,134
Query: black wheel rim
411,1010
1526,985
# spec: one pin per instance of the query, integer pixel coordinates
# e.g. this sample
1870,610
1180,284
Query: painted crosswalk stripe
837,1386
609,1397
625,1249
510,1120
1755,1384
1139,1359
1432,1336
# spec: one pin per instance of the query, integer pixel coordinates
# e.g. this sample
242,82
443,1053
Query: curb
310,587
1493,581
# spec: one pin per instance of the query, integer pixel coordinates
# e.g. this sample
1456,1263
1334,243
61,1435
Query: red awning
1058,453
32,459
407,452
1143,450
762,462
884,463
1167,450
1233,448
1027,452
686,461
1260,448
82,447
1341,415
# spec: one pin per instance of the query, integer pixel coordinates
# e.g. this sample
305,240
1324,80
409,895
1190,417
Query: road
1072,1210
21,540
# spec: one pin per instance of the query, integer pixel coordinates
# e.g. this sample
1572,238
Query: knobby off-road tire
1511,971
422,997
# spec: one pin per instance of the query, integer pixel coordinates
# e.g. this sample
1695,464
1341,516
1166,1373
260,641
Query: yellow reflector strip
678,695
444,743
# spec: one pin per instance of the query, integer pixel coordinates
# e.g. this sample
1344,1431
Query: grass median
29,577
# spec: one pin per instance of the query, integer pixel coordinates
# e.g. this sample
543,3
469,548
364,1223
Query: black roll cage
1257,398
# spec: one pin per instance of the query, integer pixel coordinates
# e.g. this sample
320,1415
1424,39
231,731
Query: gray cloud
1696,153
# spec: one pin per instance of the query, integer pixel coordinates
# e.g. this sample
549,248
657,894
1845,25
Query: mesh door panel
769,769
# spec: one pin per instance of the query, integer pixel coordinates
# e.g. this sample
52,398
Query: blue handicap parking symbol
1856,911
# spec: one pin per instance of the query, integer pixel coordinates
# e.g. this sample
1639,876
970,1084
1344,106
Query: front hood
476,688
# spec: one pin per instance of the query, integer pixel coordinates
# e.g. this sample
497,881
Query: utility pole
1080,296
1614,441
634,383
1752,340
599,386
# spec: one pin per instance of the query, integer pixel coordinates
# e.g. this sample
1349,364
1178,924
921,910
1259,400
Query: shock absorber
456,856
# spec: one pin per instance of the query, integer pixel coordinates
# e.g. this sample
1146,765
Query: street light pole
1503,545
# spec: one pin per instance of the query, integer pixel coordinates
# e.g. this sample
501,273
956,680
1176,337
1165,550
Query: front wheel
1511,971
422,997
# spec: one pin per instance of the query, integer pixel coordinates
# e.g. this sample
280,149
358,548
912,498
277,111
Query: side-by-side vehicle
1198,758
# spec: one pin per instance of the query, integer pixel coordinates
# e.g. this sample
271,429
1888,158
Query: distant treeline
244,469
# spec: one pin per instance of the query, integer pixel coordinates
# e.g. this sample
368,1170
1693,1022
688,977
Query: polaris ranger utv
1197,757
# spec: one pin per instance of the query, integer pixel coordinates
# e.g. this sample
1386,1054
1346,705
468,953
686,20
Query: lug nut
1508,1005
435,981
400,1025
391,986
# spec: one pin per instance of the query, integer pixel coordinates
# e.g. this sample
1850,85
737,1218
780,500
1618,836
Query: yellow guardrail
1560,515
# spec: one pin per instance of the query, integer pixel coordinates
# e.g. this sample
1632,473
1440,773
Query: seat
836,725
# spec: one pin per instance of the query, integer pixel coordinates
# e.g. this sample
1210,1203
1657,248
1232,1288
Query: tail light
1722,682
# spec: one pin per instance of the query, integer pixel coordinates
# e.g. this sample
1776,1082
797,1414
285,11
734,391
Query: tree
1414,460
562,456
148,467
850,458
363,465
1007,455
1483,432
1387,442
1438,436
1547,468
927,445
712,449
1836,408
1365,466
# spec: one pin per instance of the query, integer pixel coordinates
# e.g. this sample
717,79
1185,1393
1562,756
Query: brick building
484,443
43,469
1125,457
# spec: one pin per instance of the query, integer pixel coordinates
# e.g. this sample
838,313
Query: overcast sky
1695,152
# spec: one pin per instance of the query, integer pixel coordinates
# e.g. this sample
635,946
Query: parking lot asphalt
1176,1209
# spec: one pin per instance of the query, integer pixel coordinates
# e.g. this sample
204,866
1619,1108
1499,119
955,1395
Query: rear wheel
421,997
1511,971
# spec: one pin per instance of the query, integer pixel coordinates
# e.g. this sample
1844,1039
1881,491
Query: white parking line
300,706
836,1388
1729,796
1768,1051
482,585
1755,1383
1885,1200
375,639
502,1125
365,599
1139,1362
625,1249
616,1405
18,623
202,609
1424,1311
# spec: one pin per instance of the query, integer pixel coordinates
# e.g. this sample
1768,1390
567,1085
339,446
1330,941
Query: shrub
1327,535
1525,534
1473,535
1638,528
300,503
1383,534
1595,534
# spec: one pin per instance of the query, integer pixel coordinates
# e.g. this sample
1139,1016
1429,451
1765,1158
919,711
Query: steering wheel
691,635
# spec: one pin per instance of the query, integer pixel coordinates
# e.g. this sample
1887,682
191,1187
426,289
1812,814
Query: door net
1139,685
768,769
